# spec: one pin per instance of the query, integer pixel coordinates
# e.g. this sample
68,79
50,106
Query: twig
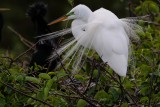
68,96
147,60
10,59
150,91
153,78
18,91
85,97
24,40
121,87
74,87
15,59
119,83
5,69
4,9
90,80
25,51
154,23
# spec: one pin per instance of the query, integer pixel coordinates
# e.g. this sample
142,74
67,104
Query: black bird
37,11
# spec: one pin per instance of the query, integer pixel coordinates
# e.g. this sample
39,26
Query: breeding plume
101,31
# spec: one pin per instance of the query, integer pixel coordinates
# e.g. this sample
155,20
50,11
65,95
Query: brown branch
74,87
119,84
19,91
4,9
154,23
24,40
91,76
68,96
25,51
15,59
10,60
84,97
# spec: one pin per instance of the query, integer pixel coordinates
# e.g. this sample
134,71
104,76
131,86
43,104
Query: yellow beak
58,20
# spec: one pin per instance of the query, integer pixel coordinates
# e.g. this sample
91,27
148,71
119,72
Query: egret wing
112,46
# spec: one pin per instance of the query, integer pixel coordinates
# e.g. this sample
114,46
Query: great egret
101,31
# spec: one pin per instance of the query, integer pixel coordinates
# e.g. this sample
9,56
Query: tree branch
24,40
18,91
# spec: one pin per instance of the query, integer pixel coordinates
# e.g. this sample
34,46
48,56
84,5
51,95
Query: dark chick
36,12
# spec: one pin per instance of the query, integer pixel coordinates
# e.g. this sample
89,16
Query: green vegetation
141,86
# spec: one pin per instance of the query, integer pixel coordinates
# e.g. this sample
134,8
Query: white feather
103,32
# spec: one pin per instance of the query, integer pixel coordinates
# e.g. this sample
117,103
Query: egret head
81,12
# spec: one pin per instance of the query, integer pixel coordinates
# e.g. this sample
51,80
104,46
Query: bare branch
4,9
25,51
24,40
19,91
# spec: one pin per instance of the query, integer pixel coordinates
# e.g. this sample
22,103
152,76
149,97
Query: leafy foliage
95,84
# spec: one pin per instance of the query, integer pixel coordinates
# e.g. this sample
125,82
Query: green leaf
81,103
95,73
44,76
2,102
144,100
128,84
20,78
47,88
40,95
58,101
51,73
71,2
144,89
1,95
114,92
61,74
79,77
30,100
32,79
88,68
49,83
154,7
37,67
150,7
46,91
101,96
124,105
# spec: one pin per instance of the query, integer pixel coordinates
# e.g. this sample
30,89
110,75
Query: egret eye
83,29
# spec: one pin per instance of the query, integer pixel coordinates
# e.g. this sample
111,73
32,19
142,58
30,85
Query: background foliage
96,84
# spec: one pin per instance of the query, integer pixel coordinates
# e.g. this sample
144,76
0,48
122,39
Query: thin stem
91,76
19,91
15,59
24,40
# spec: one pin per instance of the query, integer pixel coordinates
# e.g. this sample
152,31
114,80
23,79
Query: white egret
101,31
